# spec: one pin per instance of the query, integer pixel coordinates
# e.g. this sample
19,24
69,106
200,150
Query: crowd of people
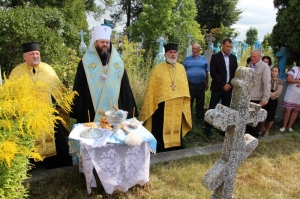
172,89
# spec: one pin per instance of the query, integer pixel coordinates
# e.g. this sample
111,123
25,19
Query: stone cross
237,146
283,54
82,46
160,56
210,40
81,33
188,49
161,40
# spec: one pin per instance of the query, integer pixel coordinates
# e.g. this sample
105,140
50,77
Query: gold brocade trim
172,122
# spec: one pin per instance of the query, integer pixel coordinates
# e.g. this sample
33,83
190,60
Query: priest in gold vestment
56,150
166,108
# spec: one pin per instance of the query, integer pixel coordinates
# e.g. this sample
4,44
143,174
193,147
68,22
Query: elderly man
222,68
261,91
101,80
166,108
197,73
41,72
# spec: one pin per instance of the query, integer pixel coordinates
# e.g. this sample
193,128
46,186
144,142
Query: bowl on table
116,118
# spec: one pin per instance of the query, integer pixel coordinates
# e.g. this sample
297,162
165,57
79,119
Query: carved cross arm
256,114
221,117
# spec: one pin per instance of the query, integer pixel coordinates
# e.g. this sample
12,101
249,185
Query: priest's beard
36,61
101,52
104,55
171,61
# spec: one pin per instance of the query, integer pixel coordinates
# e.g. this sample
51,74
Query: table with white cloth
118,165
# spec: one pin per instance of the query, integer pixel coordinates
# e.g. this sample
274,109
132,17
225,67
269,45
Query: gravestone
188,49
209,51
160,56
237,145
82,46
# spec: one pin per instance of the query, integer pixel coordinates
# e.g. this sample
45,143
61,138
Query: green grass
272,171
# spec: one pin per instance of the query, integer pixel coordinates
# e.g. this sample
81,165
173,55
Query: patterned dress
292,95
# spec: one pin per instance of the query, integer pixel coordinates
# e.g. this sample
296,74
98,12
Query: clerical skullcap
171,46
30,46
101,32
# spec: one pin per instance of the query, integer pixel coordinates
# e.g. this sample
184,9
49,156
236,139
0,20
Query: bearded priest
166,108
101,80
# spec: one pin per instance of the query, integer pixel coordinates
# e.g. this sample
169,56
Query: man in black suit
222,69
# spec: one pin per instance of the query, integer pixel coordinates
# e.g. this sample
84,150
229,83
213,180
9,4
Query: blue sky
259,14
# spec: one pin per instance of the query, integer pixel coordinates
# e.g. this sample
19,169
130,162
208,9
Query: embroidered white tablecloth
119,167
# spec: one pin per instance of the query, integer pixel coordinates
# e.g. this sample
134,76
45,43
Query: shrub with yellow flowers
23,120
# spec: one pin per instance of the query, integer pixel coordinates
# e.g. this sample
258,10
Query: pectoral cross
237,146
173,86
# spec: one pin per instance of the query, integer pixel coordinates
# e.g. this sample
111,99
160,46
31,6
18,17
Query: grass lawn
272,171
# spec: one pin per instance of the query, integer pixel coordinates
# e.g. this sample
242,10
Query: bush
23,120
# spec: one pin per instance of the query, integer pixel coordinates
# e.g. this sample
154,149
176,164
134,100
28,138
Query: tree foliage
73,10
173,19
223,32
26,24
212,13
285,32
251,36
266,44
129,9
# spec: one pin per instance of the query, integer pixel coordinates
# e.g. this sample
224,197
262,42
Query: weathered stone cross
237,146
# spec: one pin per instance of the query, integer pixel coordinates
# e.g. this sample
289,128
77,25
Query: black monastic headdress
30,46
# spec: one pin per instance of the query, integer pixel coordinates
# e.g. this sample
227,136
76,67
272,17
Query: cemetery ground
272,171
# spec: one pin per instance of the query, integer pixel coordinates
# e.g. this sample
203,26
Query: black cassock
83,102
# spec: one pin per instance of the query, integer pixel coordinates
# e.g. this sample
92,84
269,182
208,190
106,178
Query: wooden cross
237,146
161,40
